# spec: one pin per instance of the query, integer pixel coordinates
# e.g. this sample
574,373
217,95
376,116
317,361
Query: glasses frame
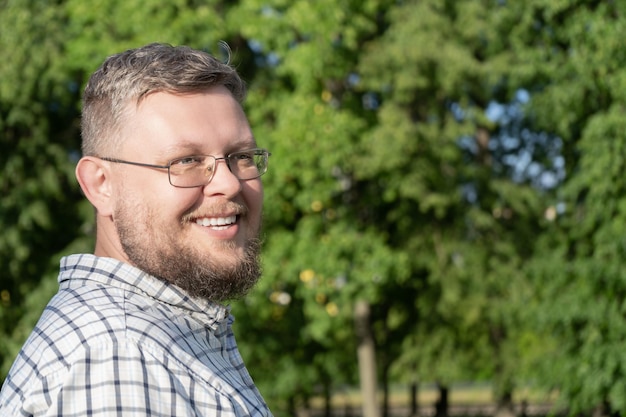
226,159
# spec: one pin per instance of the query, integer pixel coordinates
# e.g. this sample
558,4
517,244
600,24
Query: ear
93,175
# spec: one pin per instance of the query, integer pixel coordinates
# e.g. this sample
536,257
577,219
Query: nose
210,170
222,181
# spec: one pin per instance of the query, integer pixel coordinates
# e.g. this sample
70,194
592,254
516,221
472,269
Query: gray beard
199,276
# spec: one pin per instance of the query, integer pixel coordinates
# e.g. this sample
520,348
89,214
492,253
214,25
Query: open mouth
218,223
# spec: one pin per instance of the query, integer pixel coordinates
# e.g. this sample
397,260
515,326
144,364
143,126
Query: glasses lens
195,171
250,164
192,171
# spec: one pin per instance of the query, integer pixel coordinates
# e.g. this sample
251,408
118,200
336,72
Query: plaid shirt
116,341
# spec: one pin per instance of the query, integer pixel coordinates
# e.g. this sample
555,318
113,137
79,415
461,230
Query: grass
461,395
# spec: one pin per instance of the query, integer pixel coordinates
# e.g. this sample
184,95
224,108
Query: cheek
253,194
165,202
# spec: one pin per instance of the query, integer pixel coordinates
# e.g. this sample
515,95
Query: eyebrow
186,147
241,144
179,147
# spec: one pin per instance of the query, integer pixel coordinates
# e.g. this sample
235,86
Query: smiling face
203,239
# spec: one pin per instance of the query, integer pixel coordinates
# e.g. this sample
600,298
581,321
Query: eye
242,155
242,158
188,161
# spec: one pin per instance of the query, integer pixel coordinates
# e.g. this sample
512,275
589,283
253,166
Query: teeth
216,221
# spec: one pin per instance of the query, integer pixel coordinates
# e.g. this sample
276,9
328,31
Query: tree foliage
455,164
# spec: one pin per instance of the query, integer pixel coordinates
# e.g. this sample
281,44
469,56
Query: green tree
38,145
320,253
451,203
398,132
579,95
369,194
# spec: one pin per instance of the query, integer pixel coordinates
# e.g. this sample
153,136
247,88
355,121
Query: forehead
172,124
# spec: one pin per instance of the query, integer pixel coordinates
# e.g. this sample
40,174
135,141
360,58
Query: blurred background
445,208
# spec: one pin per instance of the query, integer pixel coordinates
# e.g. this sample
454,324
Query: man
172,168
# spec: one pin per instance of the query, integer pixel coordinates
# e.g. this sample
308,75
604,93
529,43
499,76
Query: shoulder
89,339
87,317
75,319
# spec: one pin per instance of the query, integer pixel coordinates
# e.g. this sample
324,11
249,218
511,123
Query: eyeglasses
198,170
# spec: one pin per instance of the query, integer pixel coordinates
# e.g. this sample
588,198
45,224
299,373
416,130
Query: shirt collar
113,272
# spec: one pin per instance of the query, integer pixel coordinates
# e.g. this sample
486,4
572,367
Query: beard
168,257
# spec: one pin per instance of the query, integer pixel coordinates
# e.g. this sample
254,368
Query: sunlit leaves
387,180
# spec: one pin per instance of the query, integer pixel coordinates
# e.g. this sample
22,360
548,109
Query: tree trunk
442,404
503,383
505,405
304,411
367,359
385,382
414,401
327,400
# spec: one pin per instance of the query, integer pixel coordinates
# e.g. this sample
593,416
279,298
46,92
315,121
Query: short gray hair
132,75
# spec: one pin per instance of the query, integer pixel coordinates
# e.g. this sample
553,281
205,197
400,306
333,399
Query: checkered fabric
115,341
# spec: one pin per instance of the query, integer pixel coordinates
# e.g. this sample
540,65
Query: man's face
203,239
